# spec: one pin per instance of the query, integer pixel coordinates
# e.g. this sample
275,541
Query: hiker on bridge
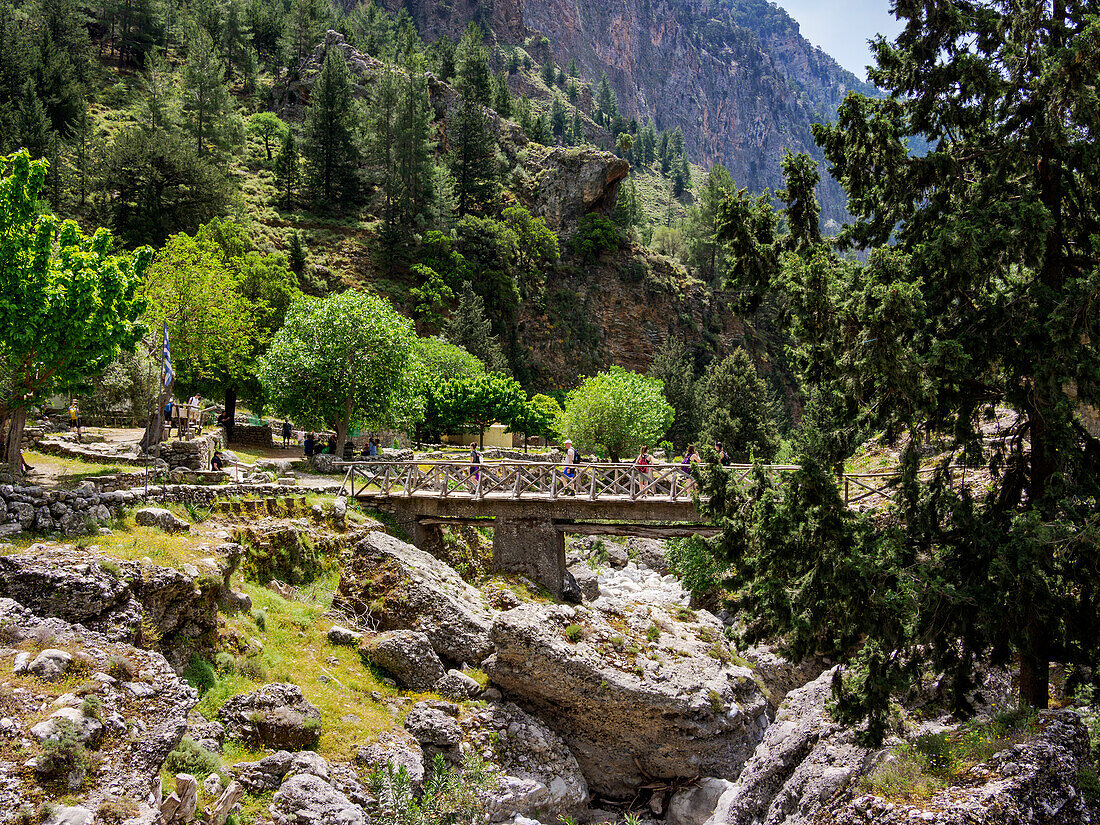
570,470
475,466
643,461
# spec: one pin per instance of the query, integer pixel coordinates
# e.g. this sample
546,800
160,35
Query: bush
595,235
200,674
695,566
92,707
573,633
653,633
225,663
66,754
117,810
121,668
252,669
191,757
260,618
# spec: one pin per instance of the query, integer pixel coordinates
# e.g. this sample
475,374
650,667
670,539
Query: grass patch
933,761
68,472
296,649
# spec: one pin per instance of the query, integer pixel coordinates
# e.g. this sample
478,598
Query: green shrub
225,663
252,668
191,757
653,633
110,567
260,618
121,668
92,707
698,570
63,755
200,674
288,556
573,633
595,235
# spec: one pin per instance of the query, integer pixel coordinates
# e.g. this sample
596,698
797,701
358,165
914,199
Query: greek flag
169,376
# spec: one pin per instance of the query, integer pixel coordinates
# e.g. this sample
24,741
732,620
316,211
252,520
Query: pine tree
502,98
607,107
576,130
681,177
34,125
734,410
647,144
207,114
558,119
628,211
304,29
706,224
549,73
475,82
573,72
83,137
240,56
157,93
330,150
673,368
473,159
663,154
470,328
297,254
286,170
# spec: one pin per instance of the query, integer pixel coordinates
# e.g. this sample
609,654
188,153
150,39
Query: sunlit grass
69,471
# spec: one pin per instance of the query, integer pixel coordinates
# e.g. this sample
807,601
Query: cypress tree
286,170
549,73
502,98
734,409
607,107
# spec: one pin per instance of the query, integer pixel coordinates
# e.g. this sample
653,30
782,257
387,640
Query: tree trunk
1035,663
231,410
155,426
14,446
481,438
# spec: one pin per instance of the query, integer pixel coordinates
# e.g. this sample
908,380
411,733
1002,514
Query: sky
843,27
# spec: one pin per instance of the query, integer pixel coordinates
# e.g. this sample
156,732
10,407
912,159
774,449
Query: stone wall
252,435
75,512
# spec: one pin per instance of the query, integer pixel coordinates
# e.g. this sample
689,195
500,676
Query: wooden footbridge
531,505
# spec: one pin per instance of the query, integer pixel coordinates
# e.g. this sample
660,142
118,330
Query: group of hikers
313,446
642,463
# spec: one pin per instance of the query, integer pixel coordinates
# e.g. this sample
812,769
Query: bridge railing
525,479
590,481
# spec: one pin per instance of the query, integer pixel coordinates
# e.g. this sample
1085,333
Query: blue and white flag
169,376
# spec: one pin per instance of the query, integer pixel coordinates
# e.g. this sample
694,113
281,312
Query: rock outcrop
803,760
672,712
274,716
116,597
142,720
407,655
398,587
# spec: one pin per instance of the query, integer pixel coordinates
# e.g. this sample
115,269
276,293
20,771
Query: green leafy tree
341,361
475,402
490,249
539,418
269,128
431,296
68,306
469,328
616,412
330,148
734,410
536,248
443,361
595,235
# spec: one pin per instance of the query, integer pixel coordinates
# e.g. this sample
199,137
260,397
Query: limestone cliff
735,75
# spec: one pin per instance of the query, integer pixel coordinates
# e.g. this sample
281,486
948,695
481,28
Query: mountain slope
735,75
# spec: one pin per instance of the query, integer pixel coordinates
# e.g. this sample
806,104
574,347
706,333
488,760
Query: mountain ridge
736,76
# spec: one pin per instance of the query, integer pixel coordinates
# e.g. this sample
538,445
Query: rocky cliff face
735,75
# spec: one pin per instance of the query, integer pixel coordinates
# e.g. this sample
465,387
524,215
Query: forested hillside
430,171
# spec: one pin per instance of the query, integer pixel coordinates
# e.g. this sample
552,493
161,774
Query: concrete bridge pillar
427,537
530,547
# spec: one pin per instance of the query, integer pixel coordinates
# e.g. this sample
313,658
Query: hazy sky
843,27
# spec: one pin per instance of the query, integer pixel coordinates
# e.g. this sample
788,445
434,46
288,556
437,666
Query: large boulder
407,655
274,716
305,799
133,740
398,748
672,710
402,588
538,771
804,759
433,726
575,181
159,517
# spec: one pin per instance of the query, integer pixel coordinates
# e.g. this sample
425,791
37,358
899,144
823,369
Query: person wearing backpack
643,461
